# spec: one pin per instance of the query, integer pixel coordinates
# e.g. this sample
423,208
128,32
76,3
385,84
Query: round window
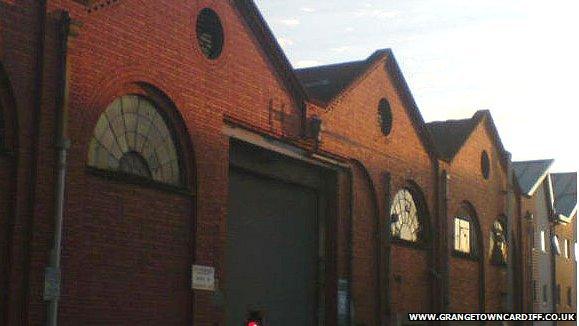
385,116
485,165
209,33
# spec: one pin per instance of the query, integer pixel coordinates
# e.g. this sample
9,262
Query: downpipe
53,271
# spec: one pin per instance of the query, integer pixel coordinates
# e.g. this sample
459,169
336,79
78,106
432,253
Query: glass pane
131,136
405,225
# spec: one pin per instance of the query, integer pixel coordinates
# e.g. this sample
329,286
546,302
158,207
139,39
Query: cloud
284,41
376,13
307,9
349,29
341,49
306,63
290,22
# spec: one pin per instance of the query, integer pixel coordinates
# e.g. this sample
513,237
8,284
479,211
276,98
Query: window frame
543,241
485,165
421,217
171,137
503,255
460,225
467,214
558,294
535,291
385,113
556,245
213,17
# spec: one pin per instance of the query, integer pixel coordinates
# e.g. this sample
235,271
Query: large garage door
271,250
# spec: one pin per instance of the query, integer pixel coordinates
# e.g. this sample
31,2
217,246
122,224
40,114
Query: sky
517,58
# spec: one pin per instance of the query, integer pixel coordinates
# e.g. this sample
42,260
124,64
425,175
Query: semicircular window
404,217
131,137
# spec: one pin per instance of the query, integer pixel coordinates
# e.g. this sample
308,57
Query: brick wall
488,198
145,47
401,155
566,268
123,239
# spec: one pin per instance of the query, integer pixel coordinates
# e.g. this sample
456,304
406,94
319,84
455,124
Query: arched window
498,242
466,232
131,137
407,216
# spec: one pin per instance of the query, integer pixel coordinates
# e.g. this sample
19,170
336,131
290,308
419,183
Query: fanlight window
498,243
131,137
404,214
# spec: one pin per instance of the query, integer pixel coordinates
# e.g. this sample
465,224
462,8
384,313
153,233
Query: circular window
485,165
385,116
209,33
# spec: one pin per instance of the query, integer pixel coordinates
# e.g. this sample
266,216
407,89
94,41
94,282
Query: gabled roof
565,191
450,136
530,174
326,84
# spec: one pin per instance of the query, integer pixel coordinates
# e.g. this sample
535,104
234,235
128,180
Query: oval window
385,116
209,33
485,165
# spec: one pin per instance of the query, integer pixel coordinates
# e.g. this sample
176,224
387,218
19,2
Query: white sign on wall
202,278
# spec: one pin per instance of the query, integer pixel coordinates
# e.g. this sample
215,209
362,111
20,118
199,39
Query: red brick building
474,168
316,196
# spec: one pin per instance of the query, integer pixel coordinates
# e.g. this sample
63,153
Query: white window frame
543,242
462,235
566,249
556,245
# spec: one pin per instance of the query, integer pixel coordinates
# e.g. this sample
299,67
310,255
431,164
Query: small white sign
202,278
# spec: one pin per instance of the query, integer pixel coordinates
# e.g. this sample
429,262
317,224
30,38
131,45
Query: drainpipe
510,224
445,177
62,145
351,316
32,169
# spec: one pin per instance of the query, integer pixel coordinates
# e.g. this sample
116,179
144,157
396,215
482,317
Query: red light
253,323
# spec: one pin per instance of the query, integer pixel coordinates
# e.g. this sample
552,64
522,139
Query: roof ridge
536,161
449,120
337,64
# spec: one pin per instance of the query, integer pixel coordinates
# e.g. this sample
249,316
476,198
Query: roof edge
261,30
541,178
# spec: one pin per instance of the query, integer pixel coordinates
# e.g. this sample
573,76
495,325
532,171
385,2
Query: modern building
548,206
161,162
565,238
536,208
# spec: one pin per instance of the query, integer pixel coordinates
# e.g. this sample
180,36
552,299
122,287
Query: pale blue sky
517,58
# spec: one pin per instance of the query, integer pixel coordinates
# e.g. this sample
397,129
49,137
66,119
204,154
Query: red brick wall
488,197
18,25
119,45
351,129
122,238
